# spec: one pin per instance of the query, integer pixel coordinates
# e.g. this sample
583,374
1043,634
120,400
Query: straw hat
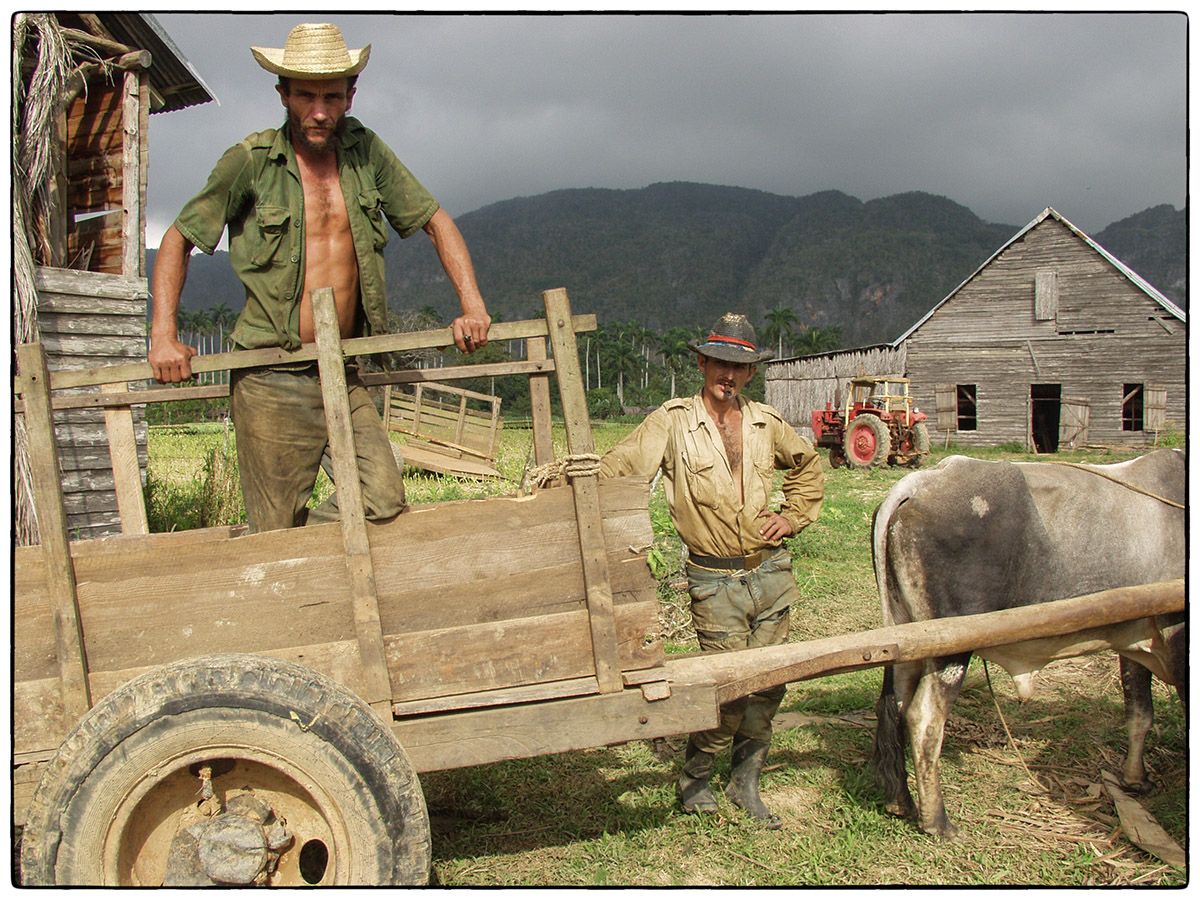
732,339
314,52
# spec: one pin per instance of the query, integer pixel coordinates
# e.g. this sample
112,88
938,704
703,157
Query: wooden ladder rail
585,488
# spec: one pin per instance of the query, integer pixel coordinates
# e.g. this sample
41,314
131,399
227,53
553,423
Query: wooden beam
587,499
131,178
127,471
381,343
539,404
52,531
376,686
1079,618
457,373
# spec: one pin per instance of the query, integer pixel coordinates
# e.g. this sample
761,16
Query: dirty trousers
735,611
282,442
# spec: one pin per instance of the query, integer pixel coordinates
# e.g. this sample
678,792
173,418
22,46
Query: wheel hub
239,846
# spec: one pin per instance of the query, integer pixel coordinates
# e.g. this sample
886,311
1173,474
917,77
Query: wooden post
127,472
131,180
376,685
539,404
52,532
586,491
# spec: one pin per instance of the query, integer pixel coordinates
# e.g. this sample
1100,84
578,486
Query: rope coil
575,465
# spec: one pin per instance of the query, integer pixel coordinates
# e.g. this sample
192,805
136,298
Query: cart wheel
920,442
867,442
230,769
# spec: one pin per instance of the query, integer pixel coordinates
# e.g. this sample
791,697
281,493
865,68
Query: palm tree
818,340
675,352
779,326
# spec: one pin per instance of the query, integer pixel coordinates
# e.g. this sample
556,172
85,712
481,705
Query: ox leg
1139,716
926,719
887,757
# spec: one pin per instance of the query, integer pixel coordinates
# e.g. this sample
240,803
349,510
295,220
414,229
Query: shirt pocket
273,224
700,477
371,203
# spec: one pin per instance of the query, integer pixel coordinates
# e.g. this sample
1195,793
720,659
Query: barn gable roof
1050,213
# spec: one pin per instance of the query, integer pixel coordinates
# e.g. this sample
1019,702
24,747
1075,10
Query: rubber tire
254,700
883,441
920,442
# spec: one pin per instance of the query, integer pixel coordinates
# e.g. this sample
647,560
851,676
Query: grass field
1030,808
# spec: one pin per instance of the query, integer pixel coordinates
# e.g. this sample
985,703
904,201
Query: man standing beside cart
719,452
308,206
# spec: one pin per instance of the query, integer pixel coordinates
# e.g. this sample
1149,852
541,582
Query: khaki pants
735,611
282,442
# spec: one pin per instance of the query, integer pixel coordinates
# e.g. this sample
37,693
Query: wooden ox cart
214,706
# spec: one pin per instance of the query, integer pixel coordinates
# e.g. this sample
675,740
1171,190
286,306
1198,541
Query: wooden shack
88,84
1052,343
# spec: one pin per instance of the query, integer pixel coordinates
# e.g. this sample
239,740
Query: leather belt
732,563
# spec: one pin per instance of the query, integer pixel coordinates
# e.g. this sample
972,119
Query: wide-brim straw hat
732,339
314,52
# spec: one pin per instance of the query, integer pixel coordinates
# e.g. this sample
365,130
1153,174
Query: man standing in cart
308,206
719,453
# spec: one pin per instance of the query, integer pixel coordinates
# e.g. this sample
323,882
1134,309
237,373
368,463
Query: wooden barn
1052,342
88,83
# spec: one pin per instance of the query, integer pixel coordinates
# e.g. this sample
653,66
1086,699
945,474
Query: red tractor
878,423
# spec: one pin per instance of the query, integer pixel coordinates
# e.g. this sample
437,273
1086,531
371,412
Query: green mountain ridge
680,254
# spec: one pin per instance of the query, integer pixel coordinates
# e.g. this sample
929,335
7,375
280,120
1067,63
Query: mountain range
683,253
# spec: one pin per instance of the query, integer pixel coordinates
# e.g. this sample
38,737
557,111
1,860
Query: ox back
973,536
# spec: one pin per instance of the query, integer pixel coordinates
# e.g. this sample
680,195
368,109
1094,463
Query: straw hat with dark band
314,52
732,339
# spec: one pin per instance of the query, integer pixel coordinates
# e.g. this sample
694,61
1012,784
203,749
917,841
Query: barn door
1073,426
945,396
1155,409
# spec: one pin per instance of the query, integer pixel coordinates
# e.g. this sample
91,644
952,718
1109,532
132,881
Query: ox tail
887,755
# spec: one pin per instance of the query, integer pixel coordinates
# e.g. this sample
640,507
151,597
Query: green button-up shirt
706,505
255,190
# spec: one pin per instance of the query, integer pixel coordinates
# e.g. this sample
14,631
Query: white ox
972,536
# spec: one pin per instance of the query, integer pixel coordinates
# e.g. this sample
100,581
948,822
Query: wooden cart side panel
147,601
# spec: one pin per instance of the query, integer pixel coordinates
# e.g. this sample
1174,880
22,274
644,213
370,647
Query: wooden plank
364,346
539,401
376,687
485,736
52,531
587,501
552,690
126,467
452,373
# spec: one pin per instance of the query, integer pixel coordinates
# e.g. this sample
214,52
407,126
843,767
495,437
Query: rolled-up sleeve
803,481
202,221
642,452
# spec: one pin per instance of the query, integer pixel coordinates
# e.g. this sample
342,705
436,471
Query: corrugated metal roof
1049,213
172,77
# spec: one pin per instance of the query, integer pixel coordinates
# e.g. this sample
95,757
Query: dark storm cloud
1004,113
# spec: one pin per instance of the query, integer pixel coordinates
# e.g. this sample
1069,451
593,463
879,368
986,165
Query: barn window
966,408
1045,295
1132,408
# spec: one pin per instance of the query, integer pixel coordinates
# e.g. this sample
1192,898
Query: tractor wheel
232,769
867,442
920,446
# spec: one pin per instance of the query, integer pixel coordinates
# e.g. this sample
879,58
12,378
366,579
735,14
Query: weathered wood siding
90,319
796,387
1105,332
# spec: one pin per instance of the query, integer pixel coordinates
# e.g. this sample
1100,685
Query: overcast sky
1004,113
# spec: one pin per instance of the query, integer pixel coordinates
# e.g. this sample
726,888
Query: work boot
692,787
749,757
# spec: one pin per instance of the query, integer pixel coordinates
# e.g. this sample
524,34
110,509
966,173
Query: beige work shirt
708,510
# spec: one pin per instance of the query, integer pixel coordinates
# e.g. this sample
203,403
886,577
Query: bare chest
730,431
324,205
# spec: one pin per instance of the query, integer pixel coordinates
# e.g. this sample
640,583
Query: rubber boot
749,757
692,787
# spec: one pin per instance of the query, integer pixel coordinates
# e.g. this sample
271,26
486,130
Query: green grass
608,816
